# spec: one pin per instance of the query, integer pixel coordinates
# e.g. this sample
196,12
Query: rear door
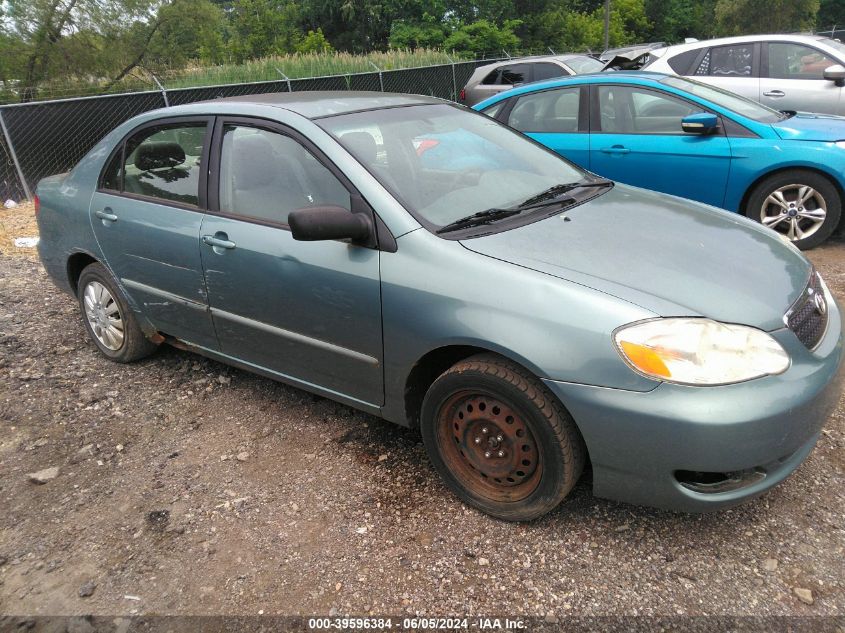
557,118
307,311
636,138
146,215
792,78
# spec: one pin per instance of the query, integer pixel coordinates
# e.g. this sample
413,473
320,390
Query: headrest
159,155
362,145
253,162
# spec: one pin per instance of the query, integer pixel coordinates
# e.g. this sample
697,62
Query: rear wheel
500,439
107,317
802,205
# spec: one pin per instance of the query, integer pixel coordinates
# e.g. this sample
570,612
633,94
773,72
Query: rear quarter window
682,63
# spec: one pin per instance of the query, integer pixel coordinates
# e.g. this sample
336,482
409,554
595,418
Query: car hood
670,256
806,126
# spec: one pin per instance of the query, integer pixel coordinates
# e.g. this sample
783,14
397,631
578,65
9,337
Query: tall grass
293,66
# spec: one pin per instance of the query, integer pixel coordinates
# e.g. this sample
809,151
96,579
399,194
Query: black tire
134,345
493,399
792,179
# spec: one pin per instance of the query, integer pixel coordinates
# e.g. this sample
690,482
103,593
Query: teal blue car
678,136
530,318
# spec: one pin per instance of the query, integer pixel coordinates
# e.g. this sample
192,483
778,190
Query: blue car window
553,111
163,162
788,60
265,175
628,110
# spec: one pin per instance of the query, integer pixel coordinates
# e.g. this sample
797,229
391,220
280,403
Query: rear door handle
774,93
616,149
218,242
106,215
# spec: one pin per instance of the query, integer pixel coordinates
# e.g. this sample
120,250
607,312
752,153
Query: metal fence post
380,77
285,77
14,156
162,88
454,79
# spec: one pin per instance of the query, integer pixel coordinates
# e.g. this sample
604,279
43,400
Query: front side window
725,99
727,61
265,175
548,111
627,110
444,163
163,162
788,60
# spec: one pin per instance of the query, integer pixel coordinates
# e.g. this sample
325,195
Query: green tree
429,32
675,20
831,13
739,17
264,27
483,37
314,42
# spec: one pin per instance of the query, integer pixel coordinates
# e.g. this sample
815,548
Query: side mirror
329,223
836,74
700,123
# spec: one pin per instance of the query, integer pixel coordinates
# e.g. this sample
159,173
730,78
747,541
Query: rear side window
493,78
546,70
682,63
163,162
493,110
516,74
727,61
553,111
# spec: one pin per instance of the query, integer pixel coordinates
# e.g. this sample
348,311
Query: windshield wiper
480,218
552,195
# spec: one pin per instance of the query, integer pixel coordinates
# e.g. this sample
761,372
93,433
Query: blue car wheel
802,205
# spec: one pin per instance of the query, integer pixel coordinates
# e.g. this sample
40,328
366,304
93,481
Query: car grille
808,316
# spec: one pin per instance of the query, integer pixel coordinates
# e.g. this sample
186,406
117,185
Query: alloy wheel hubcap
488,447
103,315
797,211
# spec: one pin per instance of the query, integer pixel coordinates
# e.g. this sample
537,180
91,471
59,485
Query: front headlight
699,351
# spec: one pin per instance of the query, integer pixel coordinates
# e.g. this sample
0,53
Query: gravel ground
188,487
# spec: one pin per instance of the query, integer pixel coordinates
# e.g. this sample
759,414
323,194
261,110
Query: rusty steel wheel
487,445
500,439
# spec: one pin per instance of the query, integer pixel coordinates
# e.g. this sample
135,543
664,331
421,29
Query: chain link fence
50,137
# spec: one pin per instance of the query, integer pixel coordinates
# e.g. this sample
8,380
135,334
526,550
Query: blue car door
557,118
308,312
636,138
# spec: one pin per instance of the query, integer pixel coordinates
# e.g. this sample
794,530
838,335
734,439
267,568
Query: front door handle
774,93
616,149
218,240
106,215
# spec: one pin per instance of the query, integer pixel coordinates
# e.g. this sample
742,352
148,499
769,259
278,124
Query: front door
638,140
307,311
792,78
146,215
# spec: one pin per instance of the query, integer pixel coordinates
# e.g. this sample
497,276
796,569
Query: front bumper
639,441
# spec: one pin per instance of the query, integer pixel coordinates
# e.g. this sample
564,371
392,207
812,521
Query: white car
785,72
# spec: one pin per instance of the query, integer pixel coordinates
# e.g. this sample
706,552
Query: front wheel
802,205
107,317
500,439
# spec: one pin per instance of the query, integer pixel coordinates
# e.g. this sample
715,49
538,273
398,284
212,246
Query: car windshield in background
444,163
834,44
585,64
728,100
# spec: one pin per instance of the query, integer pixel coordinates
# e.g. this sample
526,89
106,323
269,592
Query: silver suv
492,79
785,72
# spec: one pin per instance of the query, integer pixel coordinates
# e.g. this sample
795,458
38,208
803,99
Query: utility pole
606,24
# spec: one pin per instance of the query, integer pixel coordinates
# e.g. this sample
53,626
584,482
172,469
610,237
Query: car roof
563,57
316,104
738,39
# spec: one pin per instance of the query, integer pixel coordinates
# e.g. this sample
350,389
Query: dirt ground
188,487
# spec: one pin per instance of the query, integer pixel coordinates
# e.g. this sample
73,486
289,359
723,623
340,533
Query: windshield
834,44
444,163
584,64
728,100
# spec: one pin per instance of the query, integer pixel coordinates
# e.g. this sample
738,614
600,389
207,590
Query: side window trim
386,241
203,175
595,110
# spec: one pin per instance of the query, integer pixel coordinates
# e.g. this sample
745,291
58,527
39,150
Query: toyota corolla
530,318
